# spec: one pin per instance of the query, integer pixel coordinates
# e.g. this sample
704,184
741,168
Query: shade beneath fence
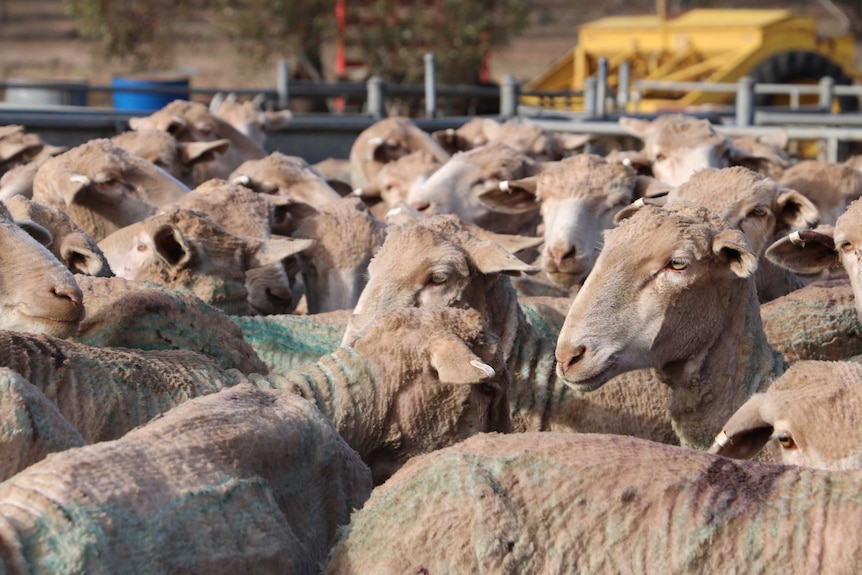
147,101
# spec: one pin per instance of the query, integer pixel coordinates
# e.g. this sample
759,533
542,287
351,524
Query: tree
140,33
393,35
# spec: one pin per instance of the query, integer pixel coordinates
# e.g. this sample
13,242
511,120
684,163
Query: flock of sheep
474,351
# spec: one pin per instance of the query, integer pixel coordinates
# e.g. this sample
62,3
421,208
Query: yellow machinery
771,46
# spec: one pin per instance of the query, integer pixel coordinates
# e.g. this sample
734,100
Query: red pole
340,54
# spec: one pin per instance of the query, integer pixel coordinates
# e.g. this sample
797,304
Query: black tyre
800,67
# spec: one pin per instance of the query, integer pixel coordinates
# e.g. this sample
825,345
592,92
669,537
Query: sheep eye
142,247
758,212
439,277
660,157
846,247
678,264
786,441
489,388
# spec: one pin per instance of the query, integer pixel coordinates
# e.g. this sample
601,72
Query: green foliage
140,33
393,36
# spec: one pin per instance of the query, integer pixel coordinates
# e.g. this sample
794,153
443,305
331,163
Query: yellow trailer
771,46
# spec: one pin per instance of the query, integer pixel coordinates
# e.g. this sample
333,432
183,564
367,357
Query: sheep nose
565,361
71,293
558,254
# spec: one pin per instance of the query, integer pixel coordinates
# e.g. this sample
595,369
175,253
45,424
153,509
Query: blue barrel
143,101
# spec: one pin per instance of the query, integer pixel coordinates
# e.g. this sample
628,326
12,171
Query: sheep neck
708,387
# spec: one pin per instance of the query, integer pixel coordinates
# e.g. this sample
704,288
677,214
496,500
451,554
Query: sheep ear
512,242
371,190
633,207
636,127
10,149
732,248
649,187
746,432
80,257
573,142
36,231
288,214
265,252
491,257
171,246
456,364
795,210
805,251
69,187
778,139
194,152
512,196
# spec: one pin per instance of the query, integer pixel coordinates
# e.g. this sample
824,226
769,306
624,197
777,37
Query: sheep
187,250
809,416
106,391
32,426
392,184
345,237
103,187
579,197
157,318
758,207
336,172
432,377
684,304
765,155
281,175
436,262
70,244
676,146
539,144
814,251
456,186
831,187
162,149
385,141
242,212
399,365
288,341
19,148
249,117
38,293
589,503
241,481
193,122
818,321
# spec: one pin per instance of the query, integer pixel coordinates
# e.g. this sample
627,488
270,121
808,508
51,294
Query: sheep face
37,293
456,186
104,188
635,309
677,146
807,417
444,378
432,262
290,176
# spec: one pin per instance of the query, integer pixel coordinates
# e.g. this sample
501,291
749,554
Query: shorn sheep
636,310
240,481
590,503
809,416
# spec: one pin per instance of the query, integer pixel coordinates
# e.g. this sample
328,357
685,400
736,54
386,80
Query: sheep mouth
589,382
